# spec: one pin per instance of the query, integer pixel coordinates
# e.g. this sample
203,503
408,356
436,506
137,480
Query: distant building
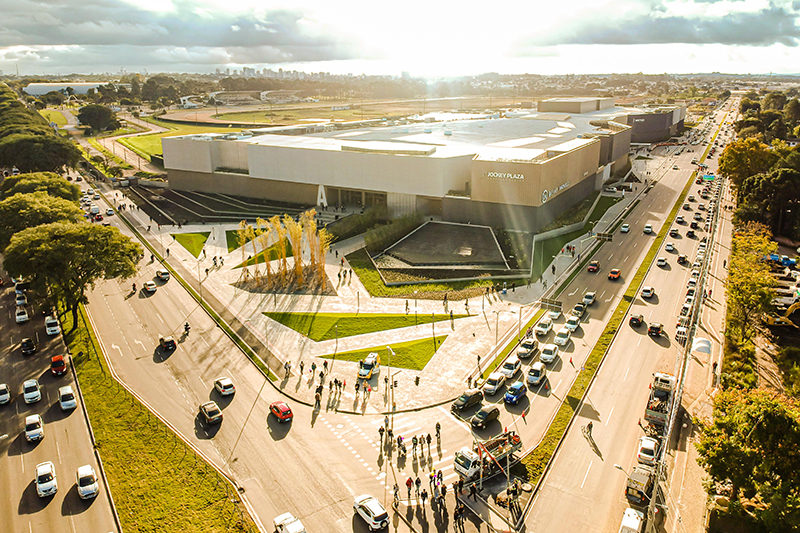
39,89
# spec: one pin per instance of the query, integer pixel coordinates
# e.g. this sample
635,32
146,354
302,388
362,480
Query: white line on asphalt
204,340
573,292
72,523
22,462
140,343
602,293
586,475
58,451
608,418
609,299
626,259
202,383
638,343
626,374
556,387
159,317
634,245
30,527
117,348
610,256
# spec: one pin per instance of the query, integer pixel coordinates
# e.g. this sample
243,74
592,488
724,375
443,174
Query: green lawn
53,115
147,145
193,242
143,459
107,153
270,254
413,355
326,326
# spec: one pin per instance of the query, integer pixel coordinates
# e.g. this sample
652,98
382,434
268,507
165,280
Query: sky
430,38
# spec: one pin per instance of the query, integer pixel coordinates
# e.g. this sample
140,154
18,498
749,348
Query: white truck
632,521
486,455
660,401
640,484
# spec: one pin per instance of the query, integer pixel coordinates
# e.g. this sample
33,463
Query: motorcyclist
186,327
134,287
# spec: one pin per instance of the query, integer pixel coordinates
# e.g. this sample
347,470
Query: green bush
381,237
356,224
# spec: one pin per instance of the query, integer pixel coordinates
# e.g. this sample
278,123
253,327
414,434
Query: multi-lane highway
66,439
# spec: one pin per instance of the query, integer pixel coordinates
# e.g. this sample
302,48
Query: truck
486,456
660,401
640,484
632,521
782,260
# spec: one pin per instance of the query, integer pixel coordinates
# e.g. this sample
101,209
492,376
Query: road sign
601,236
551,304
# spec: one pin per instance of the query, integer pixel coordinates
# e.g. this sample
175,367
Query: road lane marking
58,451
159,317
117,348
638,343
602,294
610,256
140,343
626,259
634,245
626,374
608,419
587,474
573,292
556,387
22,462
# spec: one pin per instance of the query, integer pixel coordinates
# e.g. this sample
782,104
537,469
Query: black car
28,346
469,398
694,225
674,233
655,329
636,320
690,234
485,415
682,259
168,343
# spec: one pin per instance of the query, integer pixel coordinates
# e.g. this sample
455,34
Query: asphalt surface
66,439
584,475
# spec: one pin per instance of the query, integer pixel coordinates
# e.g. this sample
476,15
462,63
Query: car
167,342
691,198
370,366
282,411
655,329
687,207
648,228
589,298
46,480
680,220
537,373
686,309
692,282
51,325
625,228
467,399
689,300
371,510
21,315
515,392
549,353
28,346
611,189
211,412
150,286
636,320
691,292
98,217
669,247
493,383
486,414
579,310
31,391
21,299
562,337
697,264
648,291
286,523
66,398
544,326
573,323
5,394
594,266
674,167
34,428
224,386
96,195
527,348
698,217
614,274
109,212
646,451
674,233
701,207
511,367
58,366
661,261
162,274
86,479
690,234
554,314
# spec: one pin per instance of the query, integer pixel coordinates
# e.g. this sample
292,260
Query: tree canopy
22,211
48,182
744,158
62,259
98,117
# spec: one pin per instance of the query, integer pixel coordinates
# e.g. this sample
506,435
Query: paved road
66,442
586,478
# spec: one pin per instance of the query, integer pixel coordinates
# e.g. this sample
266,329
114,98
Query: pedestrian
337,254
428,440
473,492
325,366
302,364
417,484
409,484
221,261
369,390
386,421
342,261
357,387
714,368
724,263
351,272
451,315
339,275
436,495
215,261
424,496
406,306
330,387
431,478
344,384
414,444
167,252
317,400
439,476
313,369
206,272
380,432
456,488
553,269
204,254
321,376
444,492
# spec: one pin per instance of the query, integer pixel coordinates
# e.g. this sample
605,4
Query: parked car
646,451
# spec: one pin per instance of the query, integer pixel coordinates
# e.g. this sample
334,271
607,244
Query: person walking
417,484
409,484
473,492
317,402
302,364
432,478
313,369
414,444
424,496
428,439
439,476
444,493
325,366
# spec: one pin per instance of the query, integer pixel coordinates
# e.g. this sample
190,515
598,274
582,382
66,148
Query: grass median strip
537,460
158,483
511,345
328,326
413,355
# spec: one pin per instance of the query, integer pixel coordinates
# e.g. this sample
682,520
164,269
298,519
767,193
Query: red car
594,266
58,366
614,274
282,411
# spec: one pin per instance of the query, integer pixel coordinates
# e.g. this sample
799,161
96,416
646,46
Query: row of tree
769,116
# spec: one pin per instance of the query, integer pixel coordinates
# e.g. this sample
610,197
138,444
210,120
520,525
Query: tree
774,100
753,444
98,117
791,112
114,172
748,105
52,184
62,259
744,158
22,211
35,153
773,193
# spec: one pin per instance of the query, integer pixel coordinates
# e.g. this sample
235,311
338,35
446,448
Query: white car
109,212
162,274
669,247
562,337
527,348
689,300
66,398
493,383
21,315
537,373
625,228
511,367
648,228
5,394
34,428
150,286
573,323
87,482
680,220
648,292
686,309
51,325
662,261
31,392
647,449
286,523
554,314
21,299
549,353
371,510
544,326
46,481
224,386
